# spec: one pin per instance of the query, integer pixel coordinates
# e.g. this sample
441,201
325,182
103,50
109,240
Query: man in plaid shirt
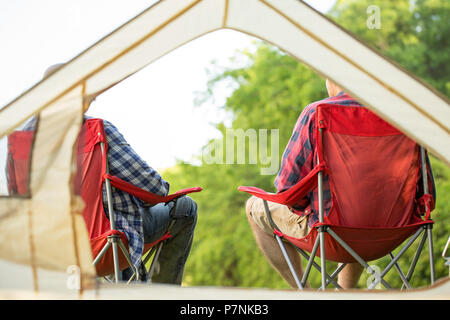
140,222
298,160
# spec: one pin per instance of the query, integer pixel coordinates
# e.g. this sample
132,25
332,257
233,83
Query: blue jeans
175,250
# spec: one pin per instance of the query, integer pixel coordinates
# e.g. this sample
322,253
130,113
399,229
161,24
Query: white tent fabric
416,109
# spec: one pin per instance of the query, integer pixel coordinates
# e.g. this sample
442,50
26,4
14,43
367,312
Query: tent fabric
51,215
373,173
46,230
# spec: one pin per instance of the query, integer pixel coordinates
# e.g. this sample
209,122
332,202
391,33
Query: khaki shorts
289,223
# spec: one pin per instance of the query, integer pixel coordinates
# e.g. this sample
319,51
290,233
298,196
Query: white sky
159,120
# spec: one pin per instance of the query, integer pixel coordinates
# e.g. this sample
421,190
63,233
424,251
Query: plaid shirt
300,157
125,164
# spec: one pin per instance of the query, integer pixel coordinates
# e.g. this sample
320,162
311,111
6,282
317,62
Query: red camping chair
373,173
92,154
88,182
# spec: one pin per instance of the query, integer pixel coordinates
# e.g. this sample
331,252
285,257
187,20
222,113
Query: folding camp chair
92,158
92,172
372,171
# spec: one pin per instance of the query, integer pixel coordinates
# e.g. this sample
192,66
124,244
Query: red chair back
373,168
18,161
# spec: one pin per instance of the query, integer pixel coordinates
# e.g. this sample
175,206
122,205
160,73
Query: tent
45,232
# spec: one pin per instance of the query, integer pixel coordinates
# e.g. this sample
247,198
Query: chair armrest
144,195
291,196
262,194
181,193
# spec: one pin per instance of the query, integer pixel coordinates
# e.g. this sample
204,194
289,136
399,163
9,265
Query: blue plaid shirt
126,164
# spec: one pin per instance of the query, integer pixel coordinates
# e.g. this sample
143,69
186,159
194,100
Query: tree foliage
270,93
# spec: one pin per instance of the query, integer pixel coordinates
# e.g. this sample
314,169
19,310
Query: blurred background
172,109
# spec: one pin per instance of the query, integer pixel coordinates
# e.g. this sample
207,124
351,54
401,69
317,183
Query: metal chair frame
326,279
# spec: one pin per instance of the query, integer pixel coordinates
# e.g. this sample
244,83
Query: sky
154,109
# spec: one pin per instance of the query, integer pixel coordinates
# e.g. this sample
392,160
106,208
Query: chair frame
326,279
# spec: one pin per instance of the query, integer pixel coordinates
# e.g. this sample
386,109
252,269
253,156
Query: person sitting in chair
296,221
140,222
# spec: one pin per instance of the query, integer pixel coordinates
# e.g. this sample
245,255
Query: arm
126,164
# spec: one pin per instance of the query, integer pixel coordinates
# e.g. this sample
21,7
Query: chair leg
395,259
127,256
154,261
416,258
400,272
358,259
115,248
289,262
310,262
102,253
110,243
326,279
401,252
330,279
429,228
335,273
116,242
281,245
323,269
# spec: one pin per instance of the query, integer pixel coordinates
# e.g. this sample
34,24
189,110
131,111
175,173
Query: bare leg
272,252
349,276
